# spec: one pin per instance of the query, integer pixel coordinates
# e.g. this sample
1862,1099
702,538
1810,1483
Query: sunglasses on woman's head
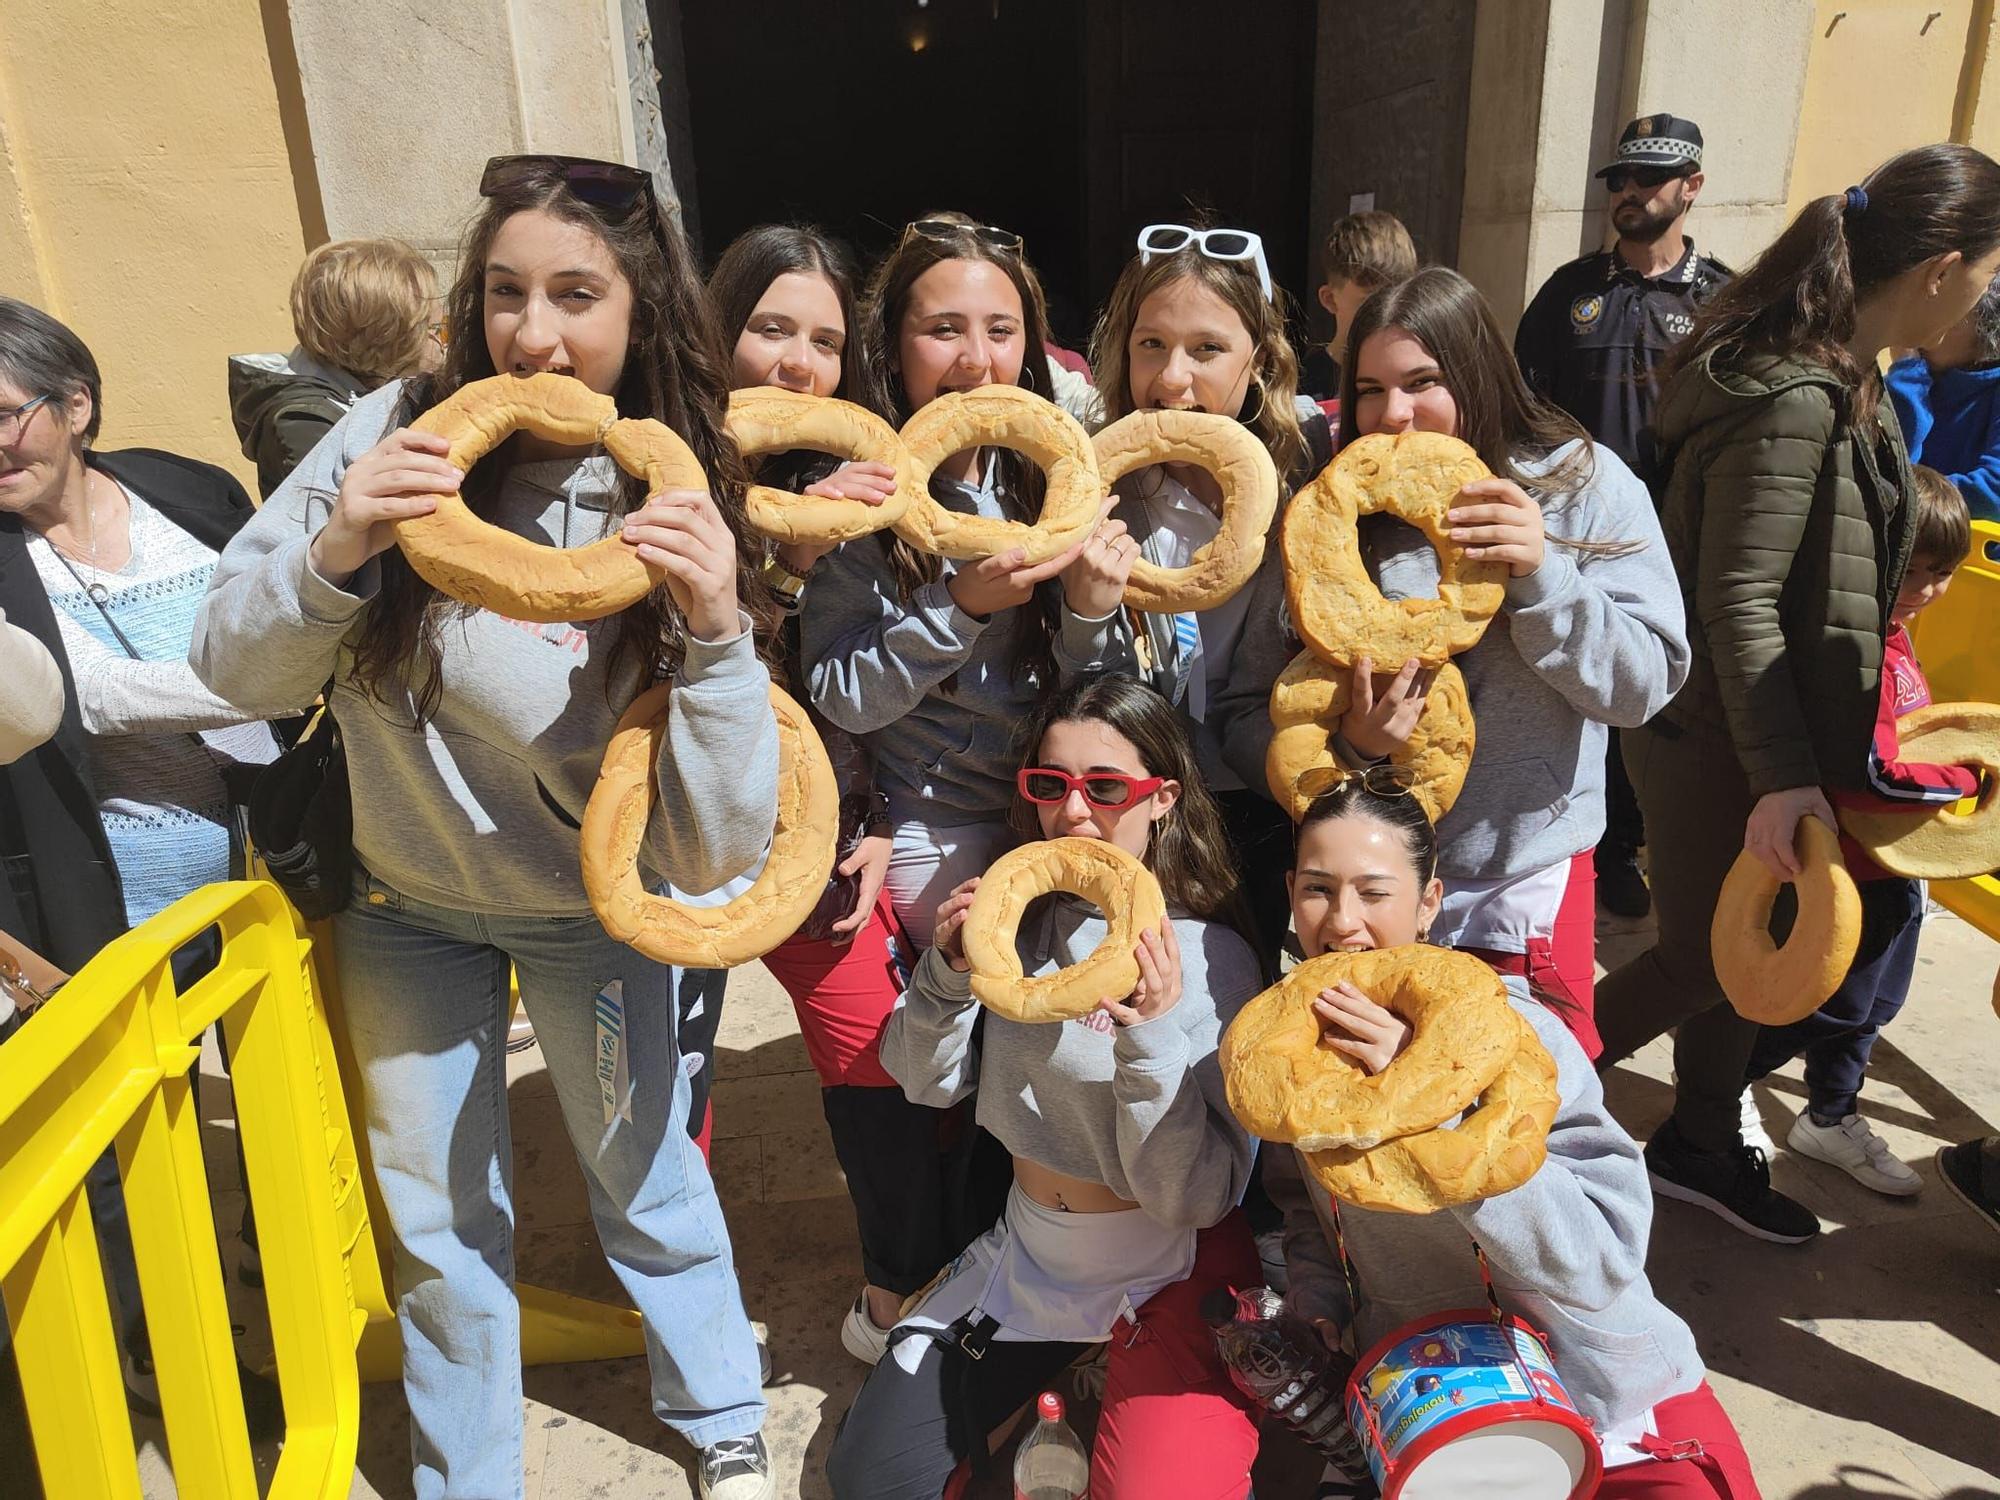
1383,780
1236,245
1048,786
951,229
608,185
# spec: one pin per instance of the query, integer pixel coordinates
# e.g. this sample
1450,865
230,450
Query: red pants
1720,1471
1564,965
843,993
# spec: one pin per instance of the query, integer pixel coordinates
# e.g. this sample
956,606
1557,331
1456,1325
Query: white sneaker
762,1335
736,1469
1754,1133
860,1336
1856,1150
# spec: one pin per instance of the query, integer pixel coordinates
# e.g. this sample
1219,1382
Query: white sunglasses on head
1216,244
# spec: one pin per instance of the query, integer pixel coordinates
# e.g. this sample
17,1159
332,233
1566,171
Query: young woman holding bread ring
473,743
1128,1163
1566,1250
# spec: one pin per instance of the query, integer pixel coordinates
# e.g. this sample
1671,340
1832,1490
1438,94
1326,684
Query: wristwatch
787,585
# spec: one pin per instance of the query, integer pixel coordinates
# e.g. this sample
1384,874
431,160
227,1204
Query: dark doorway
1072,124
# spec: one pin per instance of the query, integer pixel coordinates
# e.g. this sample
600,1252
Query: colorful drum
1459,1404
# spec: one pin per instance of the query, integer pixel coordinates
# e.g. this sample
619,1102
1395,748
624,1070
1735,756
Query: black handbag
302,820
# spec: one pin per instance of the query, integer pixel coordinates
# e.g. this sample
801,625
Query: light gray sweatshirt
1566,1250
1589,639
876,666
1138,1108
479,809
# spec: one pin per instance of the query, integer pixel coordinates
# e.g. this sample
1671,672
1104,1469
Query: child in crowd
1128,1163
1837,1038
931,664
1947,400
1192,324
1566,1250
1363,253
364,313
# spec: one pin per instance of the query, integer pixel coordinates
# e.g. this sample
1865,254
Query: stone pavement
1865,1366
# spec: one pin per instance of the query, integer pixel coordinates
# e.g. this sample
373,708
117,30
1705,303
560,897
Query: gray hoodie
1566,1250
1138,1108
876,666
479,809
1590,638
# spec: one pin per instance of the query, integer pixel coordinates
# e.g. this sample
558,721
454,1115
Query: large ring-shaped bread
1285,1085
1104,875
768,419
1335,605
1242,467
519,577
1001,416
1307,702
784,892
1938,844
1499,1145
1776,986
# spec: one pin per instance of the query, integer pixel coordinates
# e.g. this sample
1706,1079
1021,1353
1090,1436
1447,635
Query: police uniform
1596,334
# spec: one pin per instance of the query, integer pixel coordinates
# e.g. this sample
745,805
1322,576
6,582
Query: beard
1637,221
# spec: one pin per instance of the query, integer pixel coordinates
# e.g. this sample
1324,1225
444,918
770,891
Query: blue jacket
1951,421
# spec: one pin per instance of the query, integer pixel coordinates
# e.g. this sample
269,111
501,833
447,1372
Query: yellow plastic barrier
108,1061
1958,642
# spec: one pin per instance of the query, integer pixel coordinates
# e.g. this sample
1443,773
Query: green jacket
1790,531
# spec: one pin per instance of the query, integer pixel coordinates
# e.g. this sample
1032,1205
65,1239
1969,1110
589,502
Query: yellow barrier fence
1958,642
109,1062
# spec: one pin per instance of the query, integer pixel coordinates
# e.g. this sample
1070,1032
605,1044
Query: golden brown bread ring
1307,702
1335,605
480,564
1499,1145
784,892
1103,874
1938,844
767,419
1242,467
1776,986
1001,416
1285,1085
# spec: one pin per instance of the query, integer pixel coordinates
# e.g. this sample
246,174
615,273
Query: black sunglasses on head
1646,177
608,185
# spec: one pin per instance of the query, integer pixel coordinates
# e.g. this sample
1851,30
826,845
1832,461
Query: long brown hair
1274,368
877,383
1497,414
674,372
759,256
1800,296
1190,852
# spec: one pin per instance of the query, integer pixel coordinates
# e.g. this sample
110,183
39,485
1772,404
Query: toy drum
1458,1404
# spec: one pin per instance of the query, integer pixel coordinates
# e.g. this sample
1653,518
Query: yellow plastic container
108,1062
1958,642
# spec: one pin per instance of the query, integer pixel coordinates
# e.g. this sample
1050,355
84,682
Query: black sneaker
1972,1172
736,1469
1621,889
1734,1185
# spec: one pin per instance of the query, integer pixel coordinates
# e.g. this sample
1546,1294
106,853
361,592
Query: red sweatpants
1712,1464
843,993
1564,964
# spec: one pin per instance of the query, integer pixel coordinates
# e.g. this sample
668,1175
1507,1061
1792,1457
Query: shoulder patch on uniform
1585,311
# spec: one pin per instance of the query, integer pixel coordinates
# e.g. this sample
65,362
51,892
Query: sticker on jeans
614,1080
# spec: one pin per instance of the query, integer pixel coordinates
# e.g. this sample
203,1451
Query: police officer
1593,341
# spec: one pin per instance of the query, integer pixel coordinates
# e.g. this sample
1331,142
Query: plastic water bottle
1050,1464
1279,1361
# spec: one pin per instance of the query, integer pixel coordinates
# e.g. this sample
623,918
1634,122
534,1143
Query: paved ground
1864,1367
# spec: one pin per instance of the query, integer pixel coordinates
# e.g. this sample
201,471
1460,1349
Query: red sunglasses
1100,788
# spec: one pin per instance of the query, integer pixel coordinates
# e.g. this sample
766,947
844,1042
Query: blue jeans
1838,1037
425,993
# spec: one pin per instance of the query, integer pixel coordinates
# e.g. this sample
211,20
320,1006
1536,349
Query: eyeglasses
1385,780
952,229
1048,786
1216,244
1646,177
14,421
608,185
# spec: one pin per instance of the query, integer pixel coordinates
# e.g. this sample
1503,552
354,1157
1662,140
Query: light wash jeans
425,994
